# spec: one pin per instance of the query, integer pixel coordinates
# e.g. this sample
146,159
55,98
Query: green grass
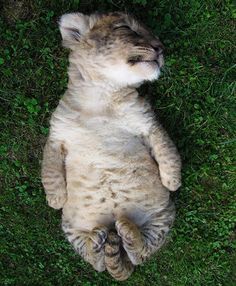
195,101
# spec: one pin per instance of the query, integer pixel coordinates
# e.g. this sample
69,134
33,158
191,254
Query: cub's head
113,47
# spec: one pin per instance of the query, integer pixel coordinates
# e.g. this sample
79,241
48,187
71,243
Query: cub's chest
102,129
105,129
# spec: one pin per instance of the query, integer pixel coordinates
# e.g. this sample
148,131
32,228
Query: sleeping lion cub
107,163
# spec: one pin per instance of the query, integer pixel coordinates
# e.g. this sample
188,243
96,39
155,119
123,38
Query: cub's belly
91,212
109,177
101,196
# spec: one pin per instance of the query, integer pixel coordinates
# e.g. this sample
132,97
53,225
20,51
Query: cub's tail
116,259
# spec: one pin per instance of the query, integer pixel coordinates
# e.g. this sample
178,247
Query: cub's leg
89,245
167,157
140,243
53,173
116,259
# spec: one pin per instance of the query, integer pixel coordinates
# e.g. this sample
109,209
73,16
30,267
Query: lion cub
107,163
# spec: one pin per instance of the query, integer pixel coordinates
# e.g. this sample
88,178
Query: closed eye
121,27
125,27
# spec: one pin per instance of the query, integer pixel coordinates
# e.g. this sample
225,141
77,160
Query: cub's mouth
134,61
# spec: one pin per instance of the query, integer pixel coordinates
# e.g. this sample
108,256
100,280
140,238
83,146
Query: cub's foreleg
166,155
54,173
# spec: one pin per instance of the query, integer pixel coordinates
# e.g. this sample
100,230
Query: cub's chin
148,71
133,76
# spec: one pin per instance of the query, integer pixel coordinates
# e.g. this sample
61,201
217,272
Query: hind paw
128,231
98,235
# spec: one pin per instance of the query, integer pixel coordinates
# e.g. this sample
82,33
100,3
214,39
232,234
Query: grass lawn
195,101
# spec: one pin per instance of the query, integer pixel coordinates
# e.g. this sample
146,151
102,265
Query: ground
195,101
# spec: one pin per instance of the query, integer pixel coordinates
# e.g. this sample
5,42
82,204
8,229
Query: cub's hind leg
116,259
140,243
89,245
53,173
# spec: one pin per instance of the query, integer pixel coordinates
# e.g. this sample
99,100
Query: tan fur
107,162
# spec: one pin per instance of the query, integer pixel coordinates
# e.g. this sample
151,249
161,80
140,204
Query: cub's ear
73,26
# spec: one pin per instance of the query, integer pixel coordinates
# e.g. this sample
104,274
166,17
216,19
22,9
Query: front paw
170,181
56,201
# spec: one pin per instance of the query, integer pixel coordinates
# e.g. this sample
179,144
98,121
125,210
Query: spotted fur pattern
107,162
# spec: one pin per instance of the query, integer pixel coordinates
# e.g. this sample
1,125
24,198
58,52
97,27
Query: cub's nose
158,49
157,46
